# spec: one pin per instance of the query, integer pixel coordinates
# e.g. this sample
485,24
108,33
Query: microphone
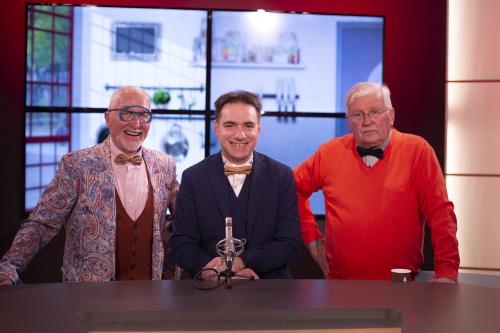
229,247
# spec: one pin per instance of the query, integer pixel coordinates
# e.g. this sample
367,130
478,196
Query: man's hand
5,281
238,265
318,252
443,280
246,273
215,264
220,266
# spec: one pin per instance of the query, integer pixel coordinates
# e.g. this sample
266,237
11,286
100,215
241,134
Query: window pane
32,153
303,134
62,24
181,137
41,67
48,152
64,10
171,69
27,123
60,124
61,96
28,94
61,58
31,198
48,172
49,9
40,124
32,176
61,149
29,55
43,20
30,15
41,95
285,58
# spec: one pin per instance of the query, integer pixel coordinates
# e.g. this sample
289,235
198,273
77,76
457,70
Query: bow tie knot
121,159
237,170
377,152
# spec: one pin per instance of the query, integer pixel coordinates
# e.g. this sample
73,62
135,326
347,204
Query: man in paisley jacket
112,200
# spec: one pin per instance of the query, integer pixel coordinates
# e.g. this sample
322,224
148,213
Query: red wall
414,69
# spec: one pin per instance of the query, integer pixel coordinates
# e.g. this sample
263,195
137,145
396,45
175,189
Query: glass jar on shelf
288,43
233,47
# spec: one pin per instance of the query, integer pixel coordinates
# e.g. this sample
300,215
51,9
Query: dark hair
238,96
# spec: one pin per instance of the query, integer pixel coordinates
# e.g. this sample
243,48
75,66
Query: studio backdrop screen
300,65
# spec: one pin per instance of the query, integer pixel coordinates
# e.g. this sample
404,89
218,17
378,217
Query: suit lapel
257,190
106,184
218,182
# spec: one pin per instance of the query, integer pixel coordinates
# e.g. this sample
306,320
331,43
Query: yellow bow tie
122,159
234,170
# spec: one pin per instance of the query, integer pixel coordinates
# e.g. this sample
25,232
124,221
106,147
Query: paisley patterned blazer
81,197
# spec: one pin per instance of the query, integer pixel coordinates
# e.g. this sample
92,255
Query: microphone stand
228,248
228,274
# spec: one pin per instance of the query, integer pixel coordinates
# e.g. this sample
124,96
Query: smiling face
238,130
127,136
370,131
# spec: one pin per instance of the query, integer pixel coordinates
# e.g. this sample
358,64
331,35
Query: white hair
366,88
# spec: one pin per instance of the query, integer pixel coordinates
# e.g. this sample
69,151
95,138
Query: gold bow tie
122,159
234,170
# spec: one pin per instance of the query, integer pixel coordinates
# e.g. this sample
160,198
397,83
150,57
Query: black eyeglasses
126,114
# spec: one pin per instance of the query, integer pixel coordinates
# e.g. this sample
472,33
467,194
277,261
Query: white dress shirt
238,179
131,182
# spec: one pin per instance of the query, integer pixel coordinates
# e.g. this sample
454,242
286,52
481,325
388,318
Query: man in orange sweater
381,186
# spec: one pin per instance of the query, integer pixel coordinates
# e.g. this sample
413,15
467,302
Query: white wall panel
473,40
473,128
476,202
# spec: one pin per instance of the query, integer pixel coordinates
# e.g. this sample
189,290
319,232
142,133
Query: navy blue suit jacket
273,229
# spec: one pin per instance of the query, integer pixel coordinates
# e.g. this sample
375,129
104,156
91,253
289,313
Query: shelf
250,65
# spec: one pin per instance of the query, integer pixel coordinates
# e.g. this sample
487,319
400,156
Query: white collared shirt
238,179
131,182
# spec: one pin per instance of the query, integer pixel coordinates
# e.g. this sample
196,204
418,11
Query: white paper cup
401,275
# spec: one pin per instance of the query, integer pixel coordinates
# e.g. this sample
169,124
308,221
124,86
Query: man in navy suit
257,192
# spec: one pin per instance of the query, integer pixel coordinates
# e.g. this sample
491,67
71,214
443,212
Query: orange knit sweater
375,216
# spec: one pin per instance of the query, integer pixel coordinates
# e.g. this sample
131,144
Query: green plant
161,96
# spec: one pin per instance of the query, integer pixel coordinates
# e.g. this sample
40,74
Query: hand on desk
246,273
238,268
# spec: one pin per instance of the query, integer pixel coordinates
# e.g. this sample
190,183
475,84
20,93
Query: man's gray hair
365,88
